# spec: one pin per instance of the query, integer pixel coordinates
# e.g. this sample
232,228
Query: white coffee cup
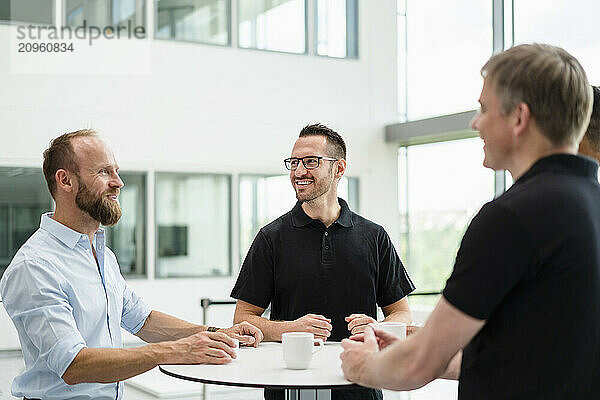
395,328
298,348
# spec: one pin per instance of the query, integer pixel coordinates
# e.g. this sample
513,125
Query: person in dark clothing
323,268
520,314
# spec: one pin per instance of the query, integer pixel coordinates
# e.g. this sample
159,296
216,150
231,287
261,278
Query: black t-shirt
529,264
300,266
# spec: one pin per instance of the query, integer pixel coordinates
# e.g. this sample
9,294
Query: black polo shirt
301,267
529,264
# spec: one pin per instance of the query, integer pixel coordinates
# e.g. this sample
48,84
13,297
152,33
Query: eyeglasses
309,162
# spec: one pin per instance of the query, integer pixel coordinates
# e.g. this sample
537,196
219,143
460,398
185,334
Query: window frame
306,33
229,17
53,7
352,30
228,272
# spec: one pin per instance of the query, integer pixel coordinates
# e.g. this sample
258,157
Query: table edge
256,385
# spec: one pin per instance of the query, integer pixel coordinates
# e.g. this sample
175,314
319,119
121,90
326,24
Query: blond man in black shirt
527,260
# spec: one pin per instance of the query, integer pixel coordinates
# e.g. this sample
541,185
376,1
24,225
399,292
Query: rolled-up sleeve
135,311
34,299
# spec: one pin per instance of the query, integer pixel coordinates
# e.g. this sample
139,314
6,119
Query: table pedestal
307,394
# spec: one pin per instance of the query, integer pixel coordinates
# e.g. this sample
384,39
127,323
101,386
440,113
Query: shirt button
326,247
326,233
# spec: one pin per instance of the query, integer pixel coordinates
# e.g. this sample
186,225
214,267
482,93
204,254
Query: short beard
105,211
322,188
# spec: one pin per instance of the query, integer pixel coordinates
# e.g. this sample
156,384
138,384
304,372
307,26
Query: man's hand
245,332
356,356
313,323
358,322
384,339
411,329
202,348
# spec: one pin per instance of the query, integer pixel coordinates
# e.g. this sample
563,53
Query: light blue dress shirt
61,301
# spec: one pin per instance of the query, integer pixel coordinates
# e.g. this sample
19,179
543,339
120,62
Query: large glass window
337,28
278,25
203,21
24,198
127,239
447,43
102,13
439,194
265,198
192,225
570,24
36,11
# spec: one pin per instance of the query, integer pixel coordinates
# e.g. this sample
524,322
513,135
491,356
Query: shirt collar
565,163
63,233
300,218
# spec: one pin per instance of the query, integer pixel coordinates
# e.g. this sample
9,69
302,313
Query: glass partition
570,24
192,225
439,194
443,44
24,198
32,11
104,13
337,32
278,25
205,21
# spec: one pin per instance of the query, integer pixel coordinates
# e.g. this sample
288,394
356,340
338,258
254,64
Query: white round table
263,367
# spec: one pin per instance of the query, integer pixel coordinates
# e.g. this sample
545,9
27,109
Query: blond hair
550,81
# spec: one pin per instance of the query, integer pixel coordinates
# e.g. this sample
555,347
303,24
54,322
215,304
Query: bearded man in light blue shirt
66,296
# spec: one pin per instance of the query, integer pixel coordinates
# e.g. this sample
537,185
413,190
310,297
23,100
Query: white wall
216,109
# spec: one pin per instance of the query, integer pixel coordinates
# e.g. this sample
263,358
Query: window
103,13
439,194
24,198
278,25
446,45
194,20
192,225
265,198
570,24
35,11
337,33
127,239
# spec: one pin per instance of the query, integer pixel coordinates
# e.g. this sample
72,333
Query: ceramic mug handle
320,344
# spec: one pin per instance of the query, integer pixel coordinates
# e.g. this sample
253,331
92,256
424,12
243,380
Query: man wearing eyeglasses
323,268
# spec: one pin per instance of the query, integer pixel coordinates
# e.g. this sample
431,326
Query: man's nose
300,170
117,181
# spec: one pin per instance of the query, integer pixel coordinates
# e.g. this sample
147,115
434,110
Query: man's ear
64,180
521,119
341,168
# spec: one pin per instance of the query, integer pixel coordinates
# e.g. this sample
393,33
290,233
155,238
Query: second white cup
395,328
298,348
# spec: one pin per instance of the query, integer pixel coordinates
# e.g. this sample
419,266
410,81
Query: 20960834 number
45,47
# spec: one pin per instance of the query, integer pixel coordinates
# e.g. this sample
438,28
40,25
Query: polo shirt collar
63,233
301,219
565,163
